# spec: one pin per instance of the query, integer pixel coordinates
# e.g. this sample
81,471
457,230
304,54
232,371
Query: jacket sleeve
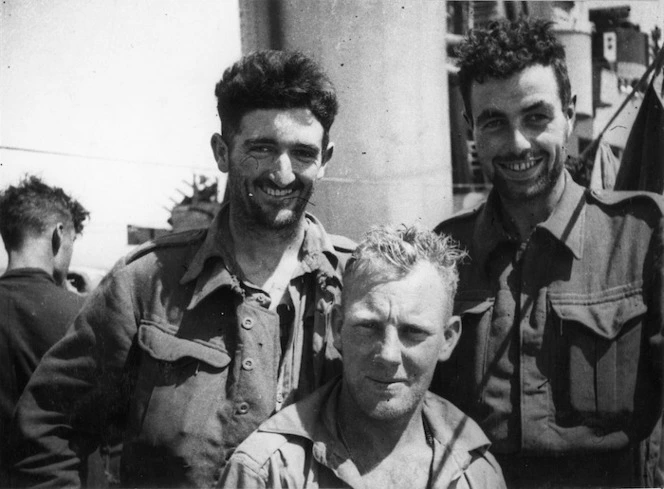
78,389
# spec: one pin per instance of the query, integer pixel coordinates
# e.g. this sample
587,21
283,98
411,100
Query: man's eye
368,326
414,333
261,149
304,155
492,124
537,118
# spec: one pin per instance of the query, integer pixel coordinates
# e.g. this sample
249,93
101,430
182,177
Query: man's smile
275,191
519,168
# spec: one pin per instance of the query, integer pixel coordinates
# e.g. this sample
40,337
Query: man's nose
282,174
518,140
389,350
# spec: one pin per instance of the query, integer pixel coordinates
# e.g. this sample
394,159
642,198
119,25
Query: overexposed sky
114,101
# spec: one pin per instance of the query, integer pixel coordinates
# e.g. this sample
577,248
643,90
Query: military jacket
562,344
175,355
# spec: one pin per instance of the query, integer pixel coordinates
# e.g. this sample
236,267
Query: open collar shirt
300,447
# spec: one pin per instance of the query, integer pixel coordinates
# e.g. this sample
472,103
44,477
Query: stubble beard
253,216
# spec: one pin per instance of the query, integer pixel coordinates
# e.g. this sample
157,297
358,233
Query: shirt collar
28,272
315,418
214,264
566,223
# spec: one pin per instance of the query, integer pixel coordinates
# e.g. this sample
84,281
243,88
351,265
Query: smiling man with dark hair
194,339
561,360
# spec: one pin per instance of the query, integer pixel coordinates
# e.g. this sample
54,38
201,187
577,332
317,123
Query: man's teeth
521,165
276,192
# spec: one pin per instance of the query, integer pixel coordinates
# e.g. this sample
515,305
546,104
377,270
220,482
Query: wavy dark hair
503,48
31,206
275,80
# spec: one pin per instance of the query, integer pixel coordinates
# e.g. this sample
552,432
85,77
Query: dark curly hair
31,206
275,80
504,48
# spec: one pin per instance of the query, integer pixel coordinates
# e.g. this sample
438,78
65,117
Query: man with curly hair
561,359
377,425
196,338
39,225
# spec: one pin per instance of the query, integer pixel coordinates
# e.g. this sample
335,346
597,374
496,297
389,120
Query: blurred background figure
39,225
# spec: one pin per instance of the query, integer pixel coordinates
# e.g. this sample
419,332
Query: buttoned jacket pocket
180,385
598,347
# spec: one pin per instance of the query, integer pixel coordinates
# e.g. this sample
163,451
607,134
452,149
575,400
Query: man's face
62,258
274,160
521,132
391,336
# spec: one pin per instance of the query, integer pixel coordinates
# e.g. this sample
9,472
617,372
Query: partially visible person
194,339
378,425
39,224
562,357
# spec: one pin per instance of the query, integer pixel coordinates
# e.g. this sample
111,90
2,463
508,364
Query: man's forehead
535,84
280,117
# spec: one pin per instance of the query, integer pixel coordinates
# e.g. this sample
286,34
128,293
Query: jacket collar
214,264
566,223
315,418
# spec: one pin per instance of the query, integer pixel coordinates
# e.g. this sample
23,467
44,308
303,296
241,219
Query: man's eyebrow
489,114
258,140
268,140
540,104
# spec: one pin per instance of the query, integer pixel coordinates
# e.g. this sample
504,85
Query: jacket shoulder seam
623,197
174,240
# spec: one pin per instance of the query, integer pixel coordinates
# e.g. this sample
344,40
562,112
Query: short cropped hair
386,254
504,48
30,207
275,80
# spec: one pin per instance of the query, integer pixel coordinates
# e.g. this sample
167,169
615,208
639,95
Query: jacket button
248,364
280,397
243,408
247,323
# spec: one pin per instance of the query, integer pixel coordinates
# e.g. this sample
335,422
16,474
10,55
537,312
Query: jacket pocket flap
605,314
163,346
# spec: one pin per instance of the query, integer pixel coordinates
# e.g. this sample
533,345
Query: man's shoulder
450,423
183,240
461,221
259,447
629,200
292,429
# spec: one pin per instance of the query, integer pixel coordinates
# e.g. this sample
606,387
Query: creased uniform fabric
180,355
300,447
561,352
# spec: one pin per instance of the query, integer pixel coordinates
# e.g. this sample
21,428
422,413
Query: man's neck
373,442
30,259
266,255
523,217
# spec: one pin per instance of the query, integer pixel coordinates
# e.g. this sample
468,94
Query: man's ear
452,334
327,156
56,237
337,318
570,112
221,151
